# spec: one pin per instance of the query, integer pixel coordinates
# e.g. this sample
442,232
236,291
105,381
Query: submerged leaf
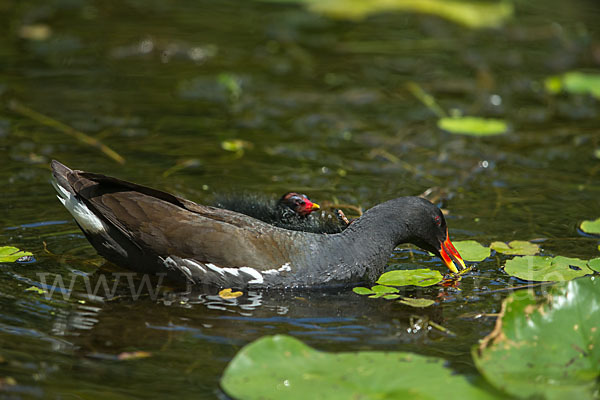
542,269
416,277
232,84
471,250
282,367
591,227
418,303
189,163
473,126
547,346
516,248
12,254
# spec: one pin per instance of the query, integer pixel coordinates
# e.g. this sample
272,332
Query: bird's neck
382,225
366,245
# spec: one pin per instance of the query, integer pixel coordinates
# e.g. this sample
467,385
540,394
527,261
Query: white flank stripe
195,264
270,272
285,267
232,271
258,278
215,268
186,271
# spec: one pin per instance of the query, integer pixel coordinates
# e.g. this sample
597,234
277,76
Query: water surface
321,107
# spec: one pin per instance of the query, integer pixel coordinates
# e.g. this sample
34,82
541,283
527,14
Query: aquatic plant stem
25,111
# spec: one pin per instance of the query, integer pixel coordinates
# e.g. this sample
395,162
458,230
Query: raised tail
87,220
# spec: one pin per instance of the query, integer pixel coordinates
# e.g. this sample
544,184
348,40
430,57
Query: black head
425,226
299,203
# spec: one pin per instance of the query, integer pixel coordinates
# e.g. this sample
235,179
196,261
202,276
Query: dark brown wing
166,225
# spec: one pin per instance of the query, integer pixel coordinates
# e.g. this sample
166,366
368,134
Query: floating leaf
362,290
12,254
282,367
591,227
377,291
540,268
416,277
236,145
35,289
418,303
468,13
516,248
574,82
380,291
133,355
594,264
470,250
391,296
548,346
228,294
473,126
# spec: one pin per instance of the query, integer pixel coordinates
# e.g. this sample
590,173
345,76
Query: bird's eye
438,220
302,203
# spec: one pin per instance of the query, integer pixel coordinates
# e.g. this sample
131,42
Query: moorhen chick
292,211
150,231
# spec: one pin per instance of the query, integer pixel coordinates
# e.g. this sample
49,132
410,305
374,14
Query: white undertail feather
88,221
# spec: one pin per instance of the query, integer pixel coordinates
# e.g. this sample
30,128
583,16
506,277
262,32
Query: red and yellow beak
451,258
309,207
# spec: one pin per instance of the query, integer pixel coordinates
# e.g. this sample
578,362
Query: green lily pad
548,346
362,290
282,367
541,269
471,250
468,13
591,227
381,291
12,254
416,277
574,82
516,248
417,303
377,291
594,264
473,126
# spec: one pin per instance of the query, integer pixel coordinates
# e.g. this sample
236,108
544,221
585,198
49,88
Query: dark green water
324,107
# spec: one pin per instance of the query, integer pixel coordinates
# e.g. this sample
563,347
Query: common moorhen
292,211
150,231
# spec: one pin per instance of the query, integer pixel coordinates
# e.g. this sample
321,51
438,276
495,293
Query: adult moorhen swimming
292,211
150,231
